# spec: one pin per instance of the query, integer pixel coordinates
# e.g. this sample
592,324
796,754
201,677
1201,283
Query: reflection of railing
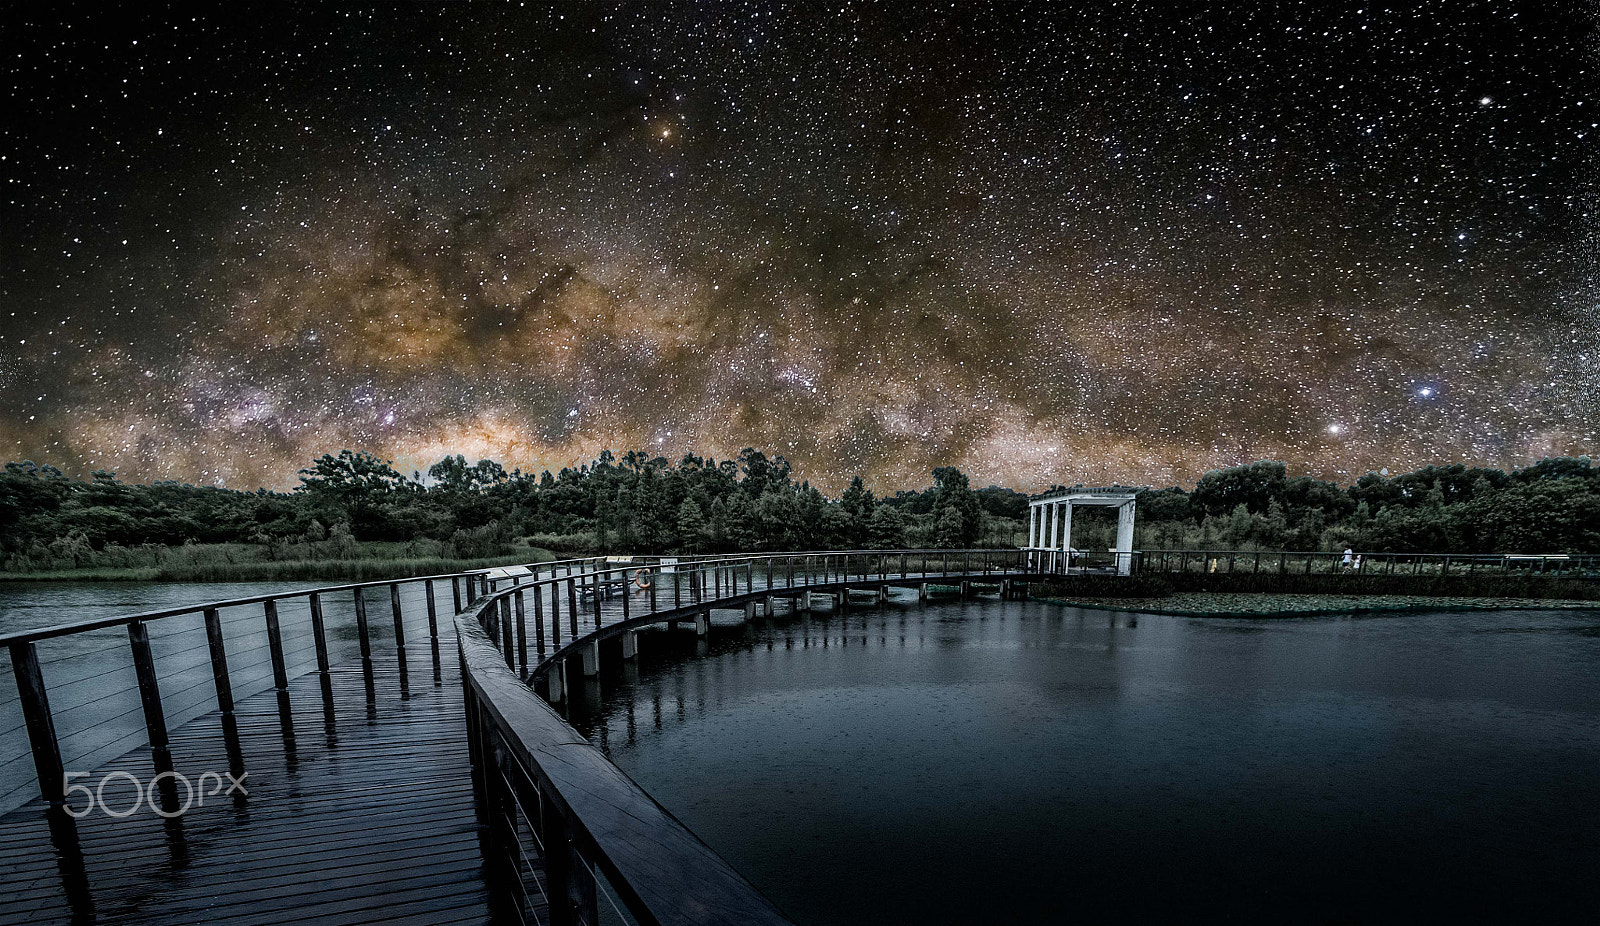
83,688
1576,566
547,793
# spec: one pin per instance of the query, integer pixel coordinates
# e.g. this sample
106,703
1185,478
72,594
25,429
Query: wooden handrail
660,870
101,623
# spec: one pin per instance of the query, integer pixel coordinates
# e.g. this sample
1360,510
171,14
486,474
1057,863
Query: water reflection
980,762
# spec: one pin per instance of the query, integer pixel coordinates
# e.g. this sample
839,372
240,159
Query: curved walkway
365,785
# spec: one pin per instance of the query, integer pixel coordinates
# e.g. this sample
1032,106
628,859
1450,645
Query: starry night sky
1128,242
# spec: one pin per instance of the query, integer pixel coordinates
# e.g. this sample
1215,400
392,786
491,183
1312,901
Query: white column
1125,514
1033,525
1054,525
1066,533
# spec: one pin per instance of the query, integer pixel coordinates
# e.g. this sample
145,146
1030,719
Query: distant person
1349,559
1358,562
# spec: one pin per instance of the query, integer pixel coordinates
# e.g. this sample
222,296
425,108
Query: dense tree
643,503
953,492
1254,486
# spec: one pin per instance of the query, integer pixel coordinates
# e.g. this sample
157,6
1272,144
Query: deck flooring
370,820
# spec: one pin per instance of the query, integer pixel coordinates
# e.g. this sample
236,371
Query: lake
1018,761
1025,762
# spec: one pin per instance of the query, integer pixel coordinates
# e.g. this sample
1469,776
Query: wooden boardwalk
368,815
369,819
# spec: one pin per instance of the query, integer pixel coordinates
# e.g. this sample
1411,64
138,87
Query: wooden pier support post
589,658
555,685
702,623
630,644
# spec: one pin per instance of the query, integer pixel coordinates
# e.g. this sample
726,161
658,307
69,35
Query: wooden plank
373,824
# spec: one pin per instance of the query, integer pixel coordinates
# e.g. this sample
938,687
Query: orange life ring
639,576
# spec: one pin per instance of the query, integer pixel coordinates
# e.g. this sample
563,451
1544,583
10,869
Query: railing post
503,606
362,632
538,624
280,672
572,605
400,640
522,634
555,607
474,718
455,590
433,633
155,719
224,687
319,636
558,865
41,726
219,662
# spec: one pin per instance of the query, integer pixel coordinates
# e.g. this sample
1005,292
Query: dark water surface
991,762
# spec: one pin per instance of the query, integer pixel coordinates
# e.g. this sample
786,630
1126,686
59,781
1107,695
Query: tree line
648,504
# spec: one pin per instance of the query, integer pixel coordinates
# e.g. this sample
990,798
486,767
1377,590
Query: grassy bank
1158,586
1223,595
297,570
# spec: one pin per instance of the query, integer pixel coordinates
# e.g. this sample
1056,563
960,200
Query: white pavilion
1050,529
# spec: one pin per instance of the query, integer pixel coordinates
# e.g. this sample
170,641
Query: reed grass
1468,586
345,570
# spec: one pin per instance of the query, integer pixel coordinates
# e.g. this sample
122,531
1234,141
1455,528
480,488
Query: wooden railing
163,653
572,615
1262,562
549,795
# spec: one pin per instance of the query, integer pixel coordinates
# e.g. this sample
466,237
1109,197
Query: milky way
1044,244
